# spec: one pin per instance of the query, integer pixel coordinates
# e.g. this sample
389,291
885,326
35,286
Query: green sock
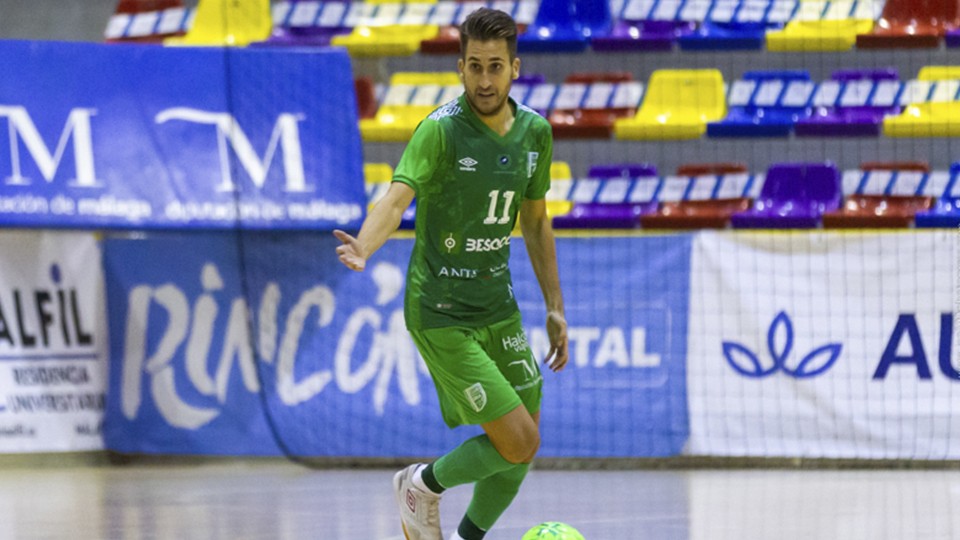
472,461
492,495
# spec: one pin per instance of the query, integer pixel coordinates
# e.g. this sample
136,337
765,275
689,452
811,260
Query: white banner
53,342
824,344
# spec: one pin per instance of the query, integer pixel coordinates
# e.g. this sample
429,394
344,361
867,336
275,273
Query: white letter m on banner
286,132
78,125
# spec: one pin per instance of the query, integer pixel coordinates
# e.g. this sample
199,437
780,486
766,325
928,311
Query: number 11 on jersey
494,203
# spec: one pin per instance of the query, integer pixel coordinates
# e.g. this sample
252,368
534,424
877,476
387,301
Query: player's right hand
350,252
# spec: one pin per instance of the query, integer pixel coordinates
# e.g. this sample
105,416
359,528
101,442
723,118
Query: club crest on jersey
532,158
477,396
468,164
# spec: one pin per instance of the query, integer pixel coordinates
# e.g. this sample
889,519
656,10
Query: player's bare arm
381,222
541,247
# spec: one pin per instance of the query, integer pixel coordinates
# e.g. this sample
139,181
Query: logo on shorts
477,396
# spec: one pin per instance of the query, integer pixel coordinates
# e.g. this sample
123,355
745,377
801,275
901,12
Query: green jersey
469,183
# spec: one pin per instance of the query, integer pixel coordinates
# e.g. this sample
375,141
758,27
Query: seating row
687,104
403,28
788,195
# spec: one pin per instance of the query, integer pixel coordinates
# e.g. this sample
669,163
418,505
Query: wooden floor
283,501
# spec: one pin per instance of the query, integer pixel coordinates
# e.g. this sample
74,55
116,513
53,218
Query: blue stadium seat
738,25
565,26
765,104
946,210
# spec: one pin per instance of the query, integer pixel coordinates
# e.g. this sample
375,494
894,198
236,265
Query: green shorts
481,373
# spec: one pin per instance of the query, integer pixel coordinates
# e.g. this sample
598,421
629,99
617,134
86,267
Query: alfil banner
52,342
836,345
133,136
287,350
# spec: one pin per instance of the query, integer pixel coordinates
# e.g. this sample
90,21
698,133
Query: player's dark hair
487,24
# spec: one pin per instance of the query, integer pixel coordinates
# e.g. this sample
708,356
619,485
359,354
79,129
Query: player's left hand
557,358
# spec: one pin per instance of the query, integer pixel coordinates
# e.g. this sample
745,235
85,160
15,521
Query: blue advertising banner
324,365
139,136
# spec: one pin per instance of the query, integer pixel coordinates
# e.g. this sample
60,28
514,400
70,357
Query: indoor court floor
277,500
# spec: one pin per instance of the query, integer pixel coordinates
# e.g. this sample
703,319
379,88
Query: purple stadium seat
642,36
858,119
600,215
794,196
293,36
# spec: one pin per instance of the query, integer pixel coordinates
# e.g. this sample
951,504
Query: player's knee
524,448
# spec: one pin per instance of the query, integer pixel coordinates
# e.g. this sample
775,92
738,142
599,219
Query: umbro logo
468,164
411,501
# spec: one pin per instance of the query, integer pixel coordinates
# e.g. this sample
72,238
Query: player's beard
490,110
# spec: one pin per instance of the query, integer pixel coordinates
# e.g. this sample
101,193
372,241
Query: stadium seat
720,169
588,104
386,40
946,208
876,211
719,190
794,195
823,26
736,25
147,21
565,26
410,97
952,38
641,36
914,24
705,214
217,23
447,41
887,195
619,195
307,23
728,36
765,104
931,107
366,97
678,105
852,104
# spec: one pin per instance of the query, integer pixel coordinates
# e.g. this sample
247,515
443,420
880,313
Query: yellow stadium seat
376,179
818,35
387,40
219,23
678,105
377,173
395,122
939,73
559,172
931,119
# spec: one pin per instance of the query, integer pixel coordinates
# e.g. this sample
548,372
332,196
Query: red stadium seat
366,97
137,21
705,214
876,211
916,166
913,24
588,122
446,42
700,169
